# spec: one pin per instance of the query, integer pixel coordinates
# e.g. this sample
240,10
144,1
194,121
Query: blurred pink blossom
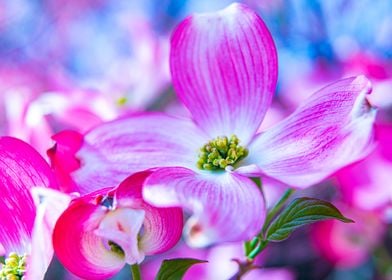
349,245
364,185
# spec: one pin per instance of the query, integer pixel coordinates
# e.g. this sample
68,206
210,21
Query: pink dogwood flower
29,209
224,70
102,231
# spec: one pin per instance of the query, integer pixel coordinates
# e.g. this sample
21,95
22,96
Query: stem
271,214
250,245
255,246
260,247
243,268
135,269
247,247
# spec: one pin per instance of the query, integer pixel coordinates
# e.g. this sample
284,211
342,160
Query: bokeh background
72,64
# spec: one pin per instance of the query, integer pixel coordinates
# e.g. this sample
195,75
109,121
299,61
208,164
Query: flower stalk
275,210
254,247
135,270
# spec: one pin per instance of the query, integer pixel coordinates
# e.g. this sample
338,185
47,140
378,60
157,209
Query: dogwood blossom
224,70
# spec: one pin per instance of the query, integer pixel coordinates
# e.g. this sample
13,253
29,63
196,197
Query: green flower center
14,267
220,153
115,248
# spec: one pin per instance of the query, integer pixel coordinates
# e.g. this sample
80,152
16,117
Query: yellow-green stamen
14,267
220,153
122,101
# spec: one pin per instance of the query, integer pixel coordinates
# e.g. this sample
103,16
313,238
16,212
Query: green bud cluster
220,153
14,267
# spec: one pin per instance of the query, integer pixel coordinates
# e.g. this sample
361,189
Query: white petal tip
196,235
229,10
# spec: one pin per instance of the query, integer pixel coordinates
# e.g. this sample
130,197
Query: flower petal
224,69
62,157
76,245
333,129
108,218
114,150
21,168
384,138
225,206
162,226
50,204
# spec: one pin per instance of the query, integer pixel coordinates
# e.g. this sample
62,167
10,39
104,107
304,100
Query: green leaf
175,269
299,212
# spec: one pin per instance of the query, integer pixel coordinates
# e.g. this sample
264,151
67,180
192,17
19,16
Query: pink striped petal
162,226
114,150
333,129
21,168
224,69
77,246
225,206
118,215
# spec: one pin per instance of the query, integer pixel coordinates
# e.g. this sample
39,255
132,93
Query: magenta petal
224,69
114,150
63,159
77,246
384,139
162,229
333,129
368,191
162,226
50,204
225,206
21,168
119,216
